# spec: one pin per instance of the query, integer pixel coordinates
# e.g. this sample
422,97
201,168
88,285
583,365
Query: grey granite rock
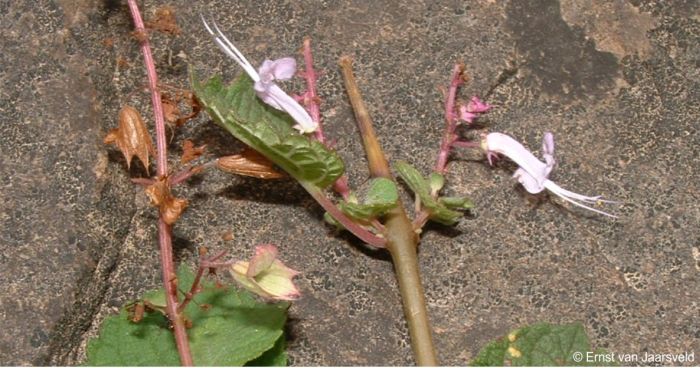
616,81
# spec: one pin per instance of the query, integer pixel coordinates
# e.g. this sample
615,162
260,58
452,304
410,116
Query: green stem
402,241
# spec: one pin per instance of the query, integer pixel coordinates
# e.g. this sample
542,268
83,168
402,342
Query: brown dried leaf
131,137
194,104
171,112
249,163
164,21
190,152
170,207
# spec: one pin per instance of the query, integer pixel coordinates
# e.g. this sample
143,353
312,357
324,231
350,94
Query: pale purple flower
264,78
532,173
473,109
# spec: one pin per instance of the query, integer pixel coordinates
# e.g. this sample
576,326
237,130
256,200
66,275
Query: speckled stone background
616,81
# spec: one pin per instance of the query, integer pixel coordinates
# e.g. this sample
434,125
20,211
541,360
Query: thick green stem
402,241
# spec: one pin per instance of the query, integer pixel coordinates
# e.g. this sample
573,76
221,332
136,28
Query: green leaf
461,203
332,221
436,181
275,357
229,327
493,354
268,131
542,344
381,196
438,211
382,192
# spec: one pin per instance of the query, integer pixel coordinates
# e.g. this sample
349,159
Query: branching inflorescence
378,218
287,131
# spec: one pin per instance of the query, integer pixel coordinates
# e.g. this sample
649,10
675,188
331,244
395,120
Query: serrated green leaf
381,196
268,131
413,179
541,344
229,327
437,211
382,192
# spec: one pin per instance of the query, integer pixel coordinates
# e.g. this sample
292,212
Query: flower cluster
472,110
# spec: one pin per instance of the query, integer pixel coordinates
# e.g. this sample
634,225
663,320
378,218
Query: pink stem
349,225
164,235
451,124
311,97
204,264
311,101
189,172
448,138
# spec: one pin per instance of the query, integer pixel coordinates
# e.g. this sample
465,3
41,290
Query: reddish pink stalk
449,138
164,235
312,104
450,121
311,100
349,225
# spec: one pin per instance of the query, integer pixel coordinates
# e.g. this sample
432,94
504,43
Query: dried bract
170,207
190,152
131,137
249,163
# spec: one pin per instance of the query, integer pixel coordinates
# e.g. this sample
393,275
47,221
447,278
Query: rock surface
616,81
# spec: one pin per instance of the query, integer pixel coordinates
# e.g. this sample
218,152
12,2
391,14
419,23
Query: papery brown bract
171,113
131,137
190,152
170,207
249,163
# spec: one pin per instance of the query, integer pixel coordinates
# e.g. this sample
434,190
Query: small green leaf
543,344
382,192
461,203
438,212
413,179
268,131
436,181
229,327
381,196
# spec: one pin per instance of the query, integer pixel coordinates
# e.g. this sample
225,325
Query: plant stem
164,234
450,123
402,241
449,137
204,264
349,225
312,103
